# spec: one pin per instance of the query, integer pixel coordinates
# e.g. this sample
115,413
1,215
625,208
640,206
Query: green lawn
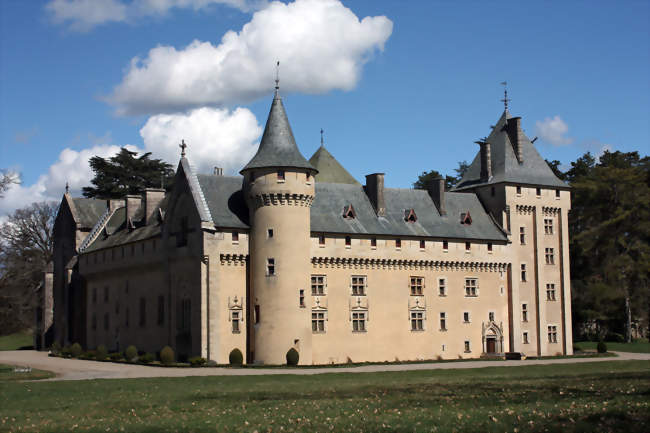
16,341
8,374
638,346
603,396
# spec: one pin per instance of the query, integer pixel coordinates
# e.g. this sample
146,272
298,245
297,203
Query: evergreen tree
450,181
125,173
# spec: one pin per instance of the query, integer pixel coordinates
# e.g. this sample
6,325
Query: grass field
635,347
7,374
604,396
16,341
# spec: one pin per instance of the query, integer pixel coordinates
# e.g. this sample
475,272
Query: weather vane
182,146
277,77
321,136
505,99
67,187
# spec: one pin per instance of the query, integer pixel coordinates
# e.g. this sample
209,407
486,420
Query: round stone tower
279,190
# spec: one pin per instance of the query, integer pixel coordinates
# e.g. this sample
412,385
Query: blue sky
408,89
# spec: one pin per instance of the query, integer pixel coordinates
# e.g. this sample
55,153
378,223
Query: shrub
75,350
292,357
115,356
601,347
131,353
101,352
88,355
236,357
167,355
197,361
147,358
65,352
615,337
56,348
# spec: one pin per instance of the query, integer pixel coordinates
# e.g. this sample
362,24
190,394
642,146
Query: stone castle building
295,253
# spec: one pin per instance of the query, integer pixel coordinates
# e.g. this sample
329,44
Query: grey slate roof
278,146
225,200
88,210
195,189
506,167
327,210
329,169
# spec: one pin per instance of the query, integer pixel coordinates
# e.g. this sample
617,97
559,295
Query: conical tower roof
278,146
329,169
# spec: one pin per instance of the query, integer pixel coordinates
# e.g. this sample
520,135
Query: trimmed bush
236,357
601,347
115,356
101,353
147,358
167,355
56,348
293,357
131,353
615,337
197,361
75,350
65,352
88,355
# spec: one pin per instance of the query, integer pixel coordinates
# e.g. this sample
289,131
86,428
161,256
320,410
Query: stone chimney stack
515,134
218,171
133,203
152,199
436,190
375,192
115,203
486,160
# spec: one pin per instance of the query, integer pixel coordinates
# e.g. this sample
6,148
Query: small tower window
301,298
398,243
538,191
280,174
445,245
468,246
489,246
235,237
269,233
349,212
518,190
348,241
321,239
373,242
422,244
523,272
557,193
270,266
308,177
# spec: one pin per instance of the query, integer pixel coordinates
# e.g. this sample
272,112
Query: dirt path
74,369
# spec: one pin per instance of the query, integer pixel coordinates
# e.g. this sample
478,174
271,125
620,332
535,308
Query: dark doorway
490,345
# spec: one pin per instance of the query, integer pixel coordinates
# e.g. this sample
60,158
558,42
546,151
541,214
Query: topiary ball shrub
101,353
197,361
293,357
56,348
236,357
167,355
115,356
147,358
601,347
131,353
75,350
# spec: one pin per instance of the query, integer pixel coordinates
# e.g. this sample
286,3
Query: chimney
114,203
133,203
486,160
436,190
218,171
513,127
152,199
375,191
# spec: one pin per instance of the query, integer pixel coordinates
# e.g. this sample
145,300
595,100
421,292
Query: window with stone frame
445,245
398,243
235,319
549,254
358,321
468,349
552,334
548,226
318,321
466,317
235,237
417,320
358,285
442,287
523,272
301,298
417,286
491,316
550,292
525,337
524,312
373,242
281,175
471,287
318,283
270,267
522,235
443,321
321,239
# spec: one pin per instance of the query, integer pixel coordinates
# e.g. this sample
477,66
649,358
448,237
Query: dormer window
409,216
465,218
280,174
348,212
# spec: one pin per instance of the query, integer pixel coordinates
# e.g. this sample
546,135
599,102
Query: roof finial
277,78
182,146
321,136
67,187
505,99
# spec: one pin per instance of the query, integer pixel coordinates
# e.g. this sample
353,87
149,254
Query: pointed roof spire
277,79
182,146
505,99
67,187
321,137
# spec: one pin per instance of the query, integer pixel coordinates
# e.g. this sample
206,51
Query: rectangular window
466,317
522,235
443,321
348,241
445,245
523,272
471,287
524,312
301,298
234,318
442,287
489,246
257,314
550,292
538,191
552,334
557,193
269,233
423,244
525,337
468,246
417,284
518,190
235,237
308,177
270,267
550,256
280,174
161,310
318,284
106,294
143,312
398,243
321,239
359,321
359,285
548,226
318,321
467,347
417,321
373,242
491,316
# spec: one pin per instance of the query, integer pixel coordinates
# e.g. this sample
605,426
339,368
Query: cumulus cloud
321,45
83,15
553,130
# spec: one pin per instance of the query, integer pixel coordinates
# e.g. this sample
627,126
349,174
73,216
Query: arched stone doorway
492,338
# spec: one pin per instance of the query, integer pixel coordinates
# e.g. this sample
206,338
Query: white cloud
553,131
215,137
321,45
83,15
